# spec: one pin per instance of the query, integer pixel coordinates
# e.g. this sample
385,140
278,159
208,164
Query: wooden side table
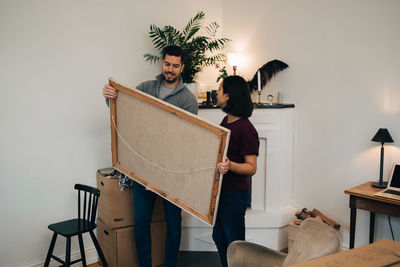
362,197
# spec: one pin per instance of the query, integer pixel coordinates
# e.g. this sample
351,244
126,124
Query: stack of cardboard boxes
115,230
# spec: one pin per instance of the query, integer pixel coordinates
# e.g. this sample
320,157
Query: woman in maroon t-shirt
234,97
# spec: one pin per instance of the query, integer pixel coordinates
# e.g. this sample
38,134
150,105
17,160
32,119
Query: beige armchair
313,239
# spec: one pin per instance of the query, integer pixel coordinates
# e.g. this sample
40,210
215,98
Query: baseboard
91,257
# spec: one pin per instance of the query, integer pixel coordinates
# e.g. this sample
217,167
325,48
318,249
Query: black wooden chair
85,223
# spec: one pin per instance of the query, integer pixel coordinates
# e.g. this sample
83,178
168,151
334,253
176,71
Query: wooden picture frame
168,150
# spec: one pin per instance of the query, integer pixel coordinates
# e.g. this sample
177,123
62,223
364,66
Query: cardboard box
381,253
115,207
119,248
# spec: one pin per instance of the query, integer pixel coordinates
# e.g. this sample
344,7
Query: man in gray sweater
169,87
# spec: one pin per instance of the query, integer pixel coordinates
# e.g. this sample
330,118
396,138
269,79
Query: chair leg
81,247
98,248
51,248
68,252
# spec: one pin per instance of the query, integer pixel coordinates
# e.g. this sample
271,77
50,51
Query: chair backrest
88,208
314,239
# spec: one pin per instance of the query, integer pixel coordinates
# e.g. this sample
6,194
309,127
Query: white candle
258,81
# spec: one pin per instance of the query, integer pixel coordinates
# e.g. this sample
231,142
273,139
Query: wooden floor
192,259
195,259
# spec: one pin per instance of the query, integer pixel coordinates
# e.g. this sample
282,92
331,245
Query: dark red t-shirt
243,141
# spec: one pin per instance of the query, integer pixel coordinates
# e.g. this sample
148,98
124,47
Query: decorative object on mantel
235,59
197,47
264,74
382,136
270,98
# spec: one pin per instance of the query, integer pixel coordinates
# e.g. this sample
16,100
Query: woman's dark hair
174,50
239,103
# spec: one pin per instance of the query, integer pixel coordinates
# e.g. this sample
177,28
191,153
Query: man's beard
172,80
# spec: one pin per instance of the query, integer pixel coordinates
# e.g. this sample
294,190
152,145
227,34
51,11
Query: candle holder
259,98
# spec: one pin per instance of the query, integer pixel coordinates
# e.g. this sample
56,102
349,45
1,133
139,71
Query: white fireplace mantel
271,192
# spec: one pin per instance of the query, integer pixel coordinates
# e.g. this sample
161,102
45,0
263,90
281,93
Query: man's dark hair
174,50
239,102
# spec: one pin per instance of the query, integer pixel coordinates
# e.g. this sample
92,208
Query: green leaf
193,25
212,29
214,59
151,58
158,36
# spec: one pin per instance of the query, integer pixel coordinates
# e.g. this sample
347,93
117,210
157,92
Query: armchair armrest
242,254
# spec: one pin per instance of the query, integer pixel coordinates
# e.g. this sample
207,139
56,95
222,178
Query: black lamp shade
382,136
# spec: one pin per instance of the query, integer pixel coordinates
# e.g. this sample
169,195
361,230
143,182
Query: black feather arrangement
267,71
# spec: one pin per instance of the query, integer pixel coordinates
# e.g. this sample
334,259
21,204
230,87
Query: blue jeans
229,225
144,202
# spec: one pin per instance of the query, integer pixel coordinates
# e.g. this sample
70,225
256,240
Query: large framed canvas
169,150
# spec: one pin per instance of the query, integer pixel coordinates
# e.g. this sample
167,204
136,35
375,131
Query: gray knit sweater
180,97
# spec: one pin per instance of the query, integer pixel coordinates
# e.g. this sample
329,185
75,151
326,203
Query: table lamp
382,136
235,59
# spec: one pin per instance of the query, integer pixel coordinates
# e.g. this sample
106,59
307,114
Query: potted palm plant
200,49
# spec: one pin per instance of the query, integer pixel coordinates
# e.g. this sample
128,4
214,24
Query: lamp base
379,184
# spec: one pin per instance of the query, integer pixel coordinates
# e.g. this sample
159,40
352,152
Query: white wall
344,79
55,56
